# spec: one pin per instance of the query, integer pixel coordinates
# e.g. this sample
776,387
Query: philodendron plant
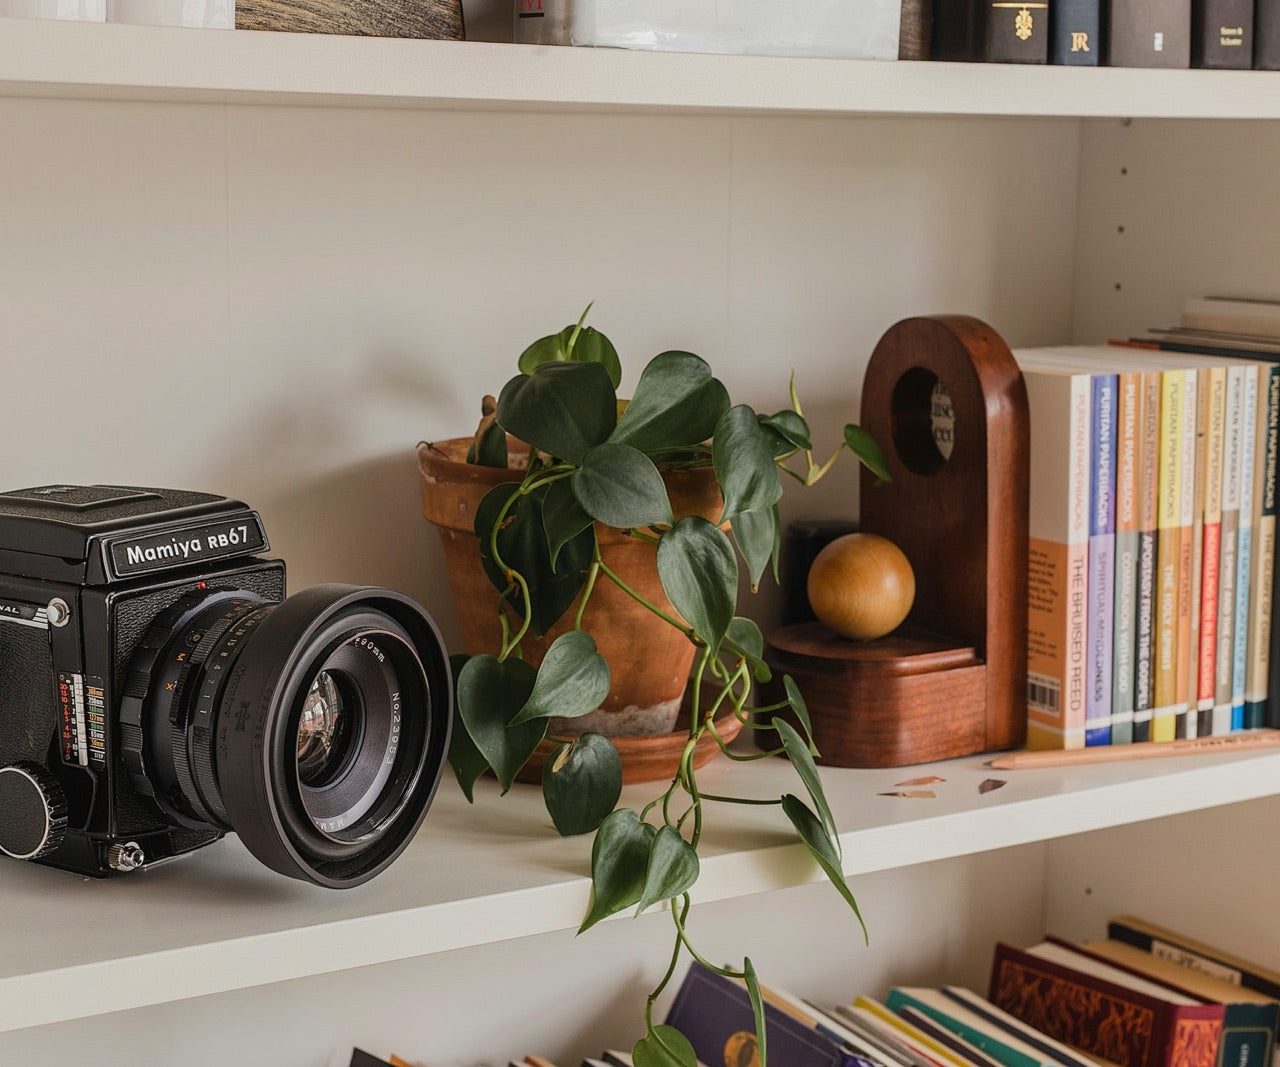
596,460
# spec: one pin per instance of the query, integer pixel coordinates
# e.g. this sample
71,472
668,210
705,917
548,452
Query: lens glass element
328,731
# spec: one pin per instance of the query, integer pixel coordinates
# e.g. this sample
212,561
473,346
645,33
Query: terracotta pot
649,660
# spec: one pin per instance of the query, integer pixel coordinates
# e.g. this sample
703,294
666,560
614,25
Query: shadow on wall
361,524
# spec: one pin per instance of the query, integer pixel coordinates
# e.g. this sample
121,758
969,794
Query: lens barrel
316,728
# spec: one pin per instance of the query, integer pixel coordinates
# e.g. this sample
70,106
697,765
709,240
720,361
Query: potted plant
558,468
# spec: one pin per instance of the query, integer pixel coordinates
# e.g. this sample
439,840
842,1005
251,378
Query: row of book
1152,552
1225,34
1143,997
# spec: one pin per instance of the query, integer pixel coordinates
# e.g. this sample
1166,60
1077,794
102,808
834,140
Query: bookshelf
268,265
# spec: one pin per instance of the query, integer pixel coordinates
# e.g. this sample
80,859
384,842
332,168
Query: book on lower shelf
1190,952
1104,1011
715,1014
1249,1020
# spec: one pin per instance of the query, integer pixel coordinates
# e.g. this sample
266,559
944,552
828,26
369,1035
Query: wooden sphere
861,585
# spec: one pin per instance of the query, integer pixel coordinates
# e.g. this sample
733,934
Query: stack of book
1152,506
1144,997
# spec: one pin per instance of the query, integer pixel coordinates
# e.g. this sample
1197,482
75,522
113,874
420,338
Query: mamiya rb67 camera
157,690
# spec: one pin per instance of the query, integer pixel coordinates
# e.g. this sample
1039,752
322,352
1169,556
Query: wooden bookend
951,680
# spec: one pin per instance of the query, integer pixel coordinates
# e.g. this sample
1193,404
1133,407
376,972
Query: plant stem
613,576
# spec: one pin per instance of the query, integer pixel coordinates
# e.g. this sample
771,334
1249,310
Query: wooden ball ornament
861,585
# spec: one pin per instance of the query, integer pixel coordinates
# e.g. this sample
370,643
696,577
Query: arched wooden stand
952,680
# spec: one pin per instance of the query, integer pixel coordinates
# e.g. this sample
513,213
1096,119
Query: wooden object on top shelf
439,20
952,680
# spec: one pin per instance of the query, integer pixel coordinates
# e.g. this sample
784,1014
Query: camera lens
316,728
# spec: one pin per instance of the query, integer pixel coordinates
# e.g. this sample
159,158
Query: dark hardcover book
1075,33
991,31
1088,1005
715,1014
1249,1019
1149,33
1266,35
1222,34
1172,945
360,1058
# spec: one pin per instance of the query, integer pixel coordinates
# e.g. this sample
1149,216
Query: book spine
1149,33
1209,549
1227,550
1190,721
1185,952
1128,421
1222,34
1102,538
1244,547
1148,518
1168,553
1261,636
1187,569
1266,35
1017,32
1074,38
1058,560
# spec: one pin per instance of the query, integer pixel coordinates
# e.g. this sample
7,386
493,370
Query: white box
851,29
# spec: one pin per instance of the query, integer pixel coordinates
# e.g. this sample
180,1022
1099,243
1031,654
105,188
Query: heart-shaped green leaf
590,346
619,861
796,699
564,409
743,463
562,517
573,680
522,545
759,536
699,574
744,639
672,869
676,402
797,751
663,1046
821,847
581,783
786,431
868,450
490,693
467,761
620,487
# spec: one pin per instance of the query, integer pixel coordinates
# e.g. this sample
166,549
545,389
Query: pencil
1056,757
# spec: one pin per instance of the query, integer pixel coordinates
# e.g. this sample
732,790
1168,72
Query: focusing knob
34,811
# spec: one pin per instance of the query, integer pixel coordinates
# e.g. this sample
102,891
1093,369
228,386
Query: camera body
153,698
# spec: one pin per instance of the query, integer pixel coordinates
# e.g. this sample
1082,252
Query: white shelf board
113,61
217,920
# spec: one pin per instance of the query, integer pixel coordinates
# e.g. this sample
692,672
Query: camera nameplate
135,554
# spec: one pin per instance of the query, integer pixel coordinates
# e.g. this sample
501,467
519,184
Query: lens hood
342,830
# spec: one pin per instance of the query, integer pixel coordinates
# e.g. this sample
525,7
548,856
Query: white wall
278,303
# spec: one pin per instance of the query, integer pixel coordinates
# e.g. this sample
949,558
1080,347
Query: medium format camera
157,690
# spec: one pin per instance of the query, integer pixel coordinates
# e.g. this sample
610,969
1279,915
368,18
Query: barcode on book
1043,693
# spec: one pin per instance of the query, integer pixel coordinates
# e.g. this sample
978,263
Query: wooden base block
905,698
